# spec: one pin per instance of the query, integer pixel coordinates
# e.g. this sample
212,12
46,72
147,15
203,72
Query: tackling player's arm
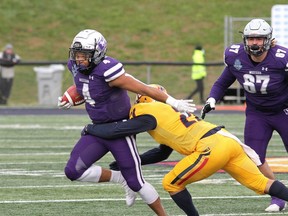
160,153
120,129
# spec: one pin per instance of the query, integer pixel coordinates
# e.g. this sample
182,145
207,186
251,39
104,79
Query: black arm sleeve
119,129
160,153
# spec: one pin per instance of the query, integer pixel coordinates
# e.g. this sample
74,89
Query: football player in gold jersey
207,148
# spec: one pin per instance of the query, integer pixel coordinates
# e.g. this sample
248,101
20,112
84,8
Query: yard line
56,186
117,199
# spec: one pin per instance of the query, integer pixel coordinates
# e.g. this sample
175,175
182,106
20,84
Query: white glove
181,105
209,105
63,104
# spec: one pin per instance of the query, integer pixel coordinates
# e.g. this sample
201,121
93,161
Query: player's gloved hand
114,166
182,105
84,131
209,105
63,104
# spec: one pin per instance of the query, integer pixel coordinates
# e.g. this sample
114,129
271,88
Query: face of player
82,58
256,43
9,51
259,41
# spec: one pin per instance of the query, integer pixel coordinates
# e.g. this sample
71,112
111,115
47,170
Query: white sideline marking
117,199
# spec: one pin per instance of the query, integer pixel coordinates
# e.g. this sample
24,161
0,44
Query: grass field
35,148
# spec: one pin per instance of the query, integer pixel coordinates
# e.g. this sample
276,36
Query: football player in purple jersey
103,82
261,68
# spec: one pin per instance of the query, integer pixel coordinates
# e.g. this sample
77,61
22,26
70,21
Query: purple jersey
265,83
103,103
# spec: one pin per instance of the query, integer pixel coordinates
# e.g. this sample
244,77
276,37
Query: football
72,96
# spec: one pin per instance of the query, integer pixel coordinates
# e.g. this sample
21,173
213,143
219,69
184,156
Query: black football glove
209,105
114,166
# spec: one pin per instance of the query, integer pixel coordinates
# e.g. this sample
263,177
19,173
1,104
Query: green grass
34,151
162,30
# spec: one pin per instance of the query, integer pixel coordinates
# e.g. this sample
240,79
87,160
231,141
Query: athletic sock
116,177
184,200
92,174
279,190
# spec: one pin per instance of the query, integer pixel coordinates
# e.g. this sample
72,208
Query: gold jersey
180,131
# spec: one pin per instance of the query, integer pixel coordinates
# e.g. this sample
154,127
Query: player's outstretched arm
128,82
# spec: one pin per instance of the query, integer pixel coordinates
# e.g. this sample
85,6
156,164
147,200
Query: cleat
276,205
130,194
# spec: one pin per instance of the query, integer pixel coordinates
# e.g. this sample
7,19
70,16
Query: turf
35,148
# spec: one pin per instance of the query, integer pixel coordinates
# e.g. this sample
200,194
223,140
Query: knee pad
148,193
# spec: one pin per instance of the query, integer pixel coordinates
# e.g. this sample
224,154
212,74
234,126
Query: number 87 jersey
265,83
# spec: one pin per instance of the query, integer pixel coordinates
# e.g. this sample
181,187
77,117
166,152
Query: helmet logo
77,45
102,44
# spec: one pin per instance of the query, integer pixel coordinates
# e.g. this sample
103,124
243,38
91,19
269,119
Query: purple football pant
259,128
90,149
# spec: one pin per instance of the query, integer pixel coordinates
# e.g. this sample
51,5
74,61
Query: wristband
171,101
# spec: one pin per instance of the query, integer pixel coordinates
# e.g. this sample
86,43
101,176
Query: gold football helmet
146,99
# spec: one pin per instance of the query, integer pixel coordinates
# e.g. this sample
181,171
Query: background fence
175,76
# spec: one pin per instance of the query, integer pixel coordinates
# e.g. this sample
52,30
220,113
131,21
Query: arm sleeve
162,152
119,129
225,80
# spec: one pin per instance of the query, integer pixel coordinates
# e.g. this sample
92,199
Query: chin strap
86,70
